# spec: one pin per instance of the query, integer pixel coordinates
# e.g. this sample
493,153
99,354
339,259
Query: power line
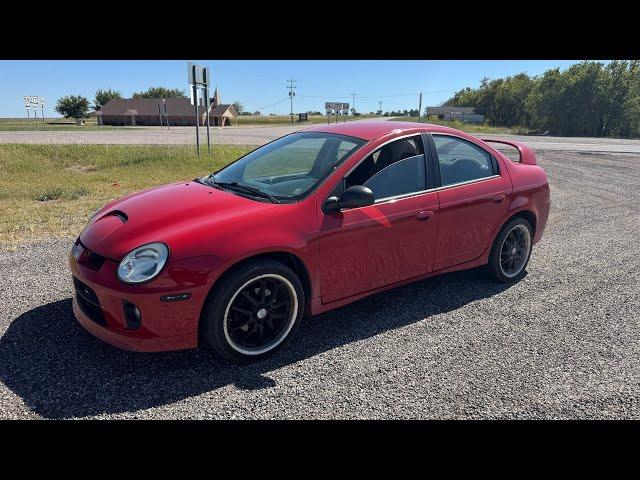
272,104
380,96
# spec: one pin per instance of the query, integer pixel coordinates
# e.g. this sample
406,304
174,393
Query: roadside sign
336,106
199,80
200,92
32,101
197,74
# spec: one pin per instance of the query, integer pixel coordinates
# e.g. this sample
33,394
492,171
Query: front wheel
511,251
253,310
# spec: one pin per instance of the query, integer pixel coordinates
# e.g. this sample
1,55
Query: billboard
336,106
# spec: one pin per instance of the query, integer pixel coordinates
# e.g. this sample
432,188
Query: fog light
132,315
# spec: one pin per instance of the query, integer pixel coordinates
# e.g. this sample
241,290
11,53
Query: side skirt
318,307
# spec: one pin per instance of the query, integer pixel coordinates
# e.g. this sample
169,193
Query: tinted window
394,169
406,176
461,161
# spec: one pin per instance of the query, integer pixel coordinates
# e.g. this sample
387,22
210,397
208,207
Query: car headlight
143,263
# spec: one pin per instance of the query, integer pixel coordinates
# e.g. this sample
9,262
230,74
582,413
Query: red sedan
307,223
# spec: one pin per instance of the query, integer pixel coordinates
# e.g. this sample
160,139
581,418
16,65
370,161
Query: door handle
498,198
424,215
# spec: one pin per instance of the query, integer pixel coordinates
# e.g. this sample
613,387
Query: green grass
286,119
50,190
63,124
467,127
52,124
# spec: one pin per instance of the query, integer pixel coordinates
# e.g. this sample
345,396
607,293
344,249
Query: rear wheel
511,251
253,310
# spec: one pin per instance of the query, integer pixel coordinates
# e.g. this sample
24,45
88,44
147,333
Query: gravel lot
564,342
258,135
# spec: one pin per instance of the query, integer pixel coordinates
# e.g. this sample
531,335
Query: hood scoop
116,213
98,232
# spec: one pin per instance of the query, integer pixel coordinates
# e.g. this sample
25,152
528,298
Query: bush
73,106
50,194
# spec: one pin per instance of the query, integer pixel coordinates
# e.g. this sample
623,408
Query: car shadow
61,371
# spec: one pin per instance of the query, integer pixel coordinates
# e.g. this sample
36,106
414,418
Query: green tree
239,108
161,92
587,99
103,96
72,106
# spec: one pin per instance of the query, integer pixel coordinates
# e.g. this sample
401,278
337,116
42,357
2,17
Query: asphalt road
564,342
259,135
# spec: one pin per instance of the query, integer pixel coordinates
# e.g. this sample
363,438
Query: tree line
587,99
77,106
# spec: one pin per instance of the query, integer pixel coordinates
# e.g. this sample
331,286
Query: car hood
169,214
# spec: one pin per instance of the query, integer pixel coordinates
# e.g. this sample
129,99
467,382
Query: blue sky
260,84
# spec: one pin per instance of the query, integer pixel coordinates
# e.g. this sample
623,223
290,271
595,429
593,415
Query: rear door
473,197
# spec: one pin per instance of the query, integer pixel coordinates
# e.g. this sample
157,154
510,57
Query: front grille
88,302
90,259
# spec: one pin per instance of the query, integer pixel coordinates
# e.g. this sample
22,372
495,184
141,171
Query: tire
502,253
253,311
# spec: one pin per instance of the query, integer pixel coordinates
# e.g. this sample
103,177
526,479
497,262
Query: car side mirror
331,205
352,197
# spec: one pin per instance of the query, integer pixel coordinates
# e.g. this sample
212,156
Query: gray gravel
564,342
259,135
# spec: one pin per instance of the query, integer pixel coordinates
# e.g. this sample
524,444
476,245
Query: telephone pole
353,102
292,93
420,107
380,107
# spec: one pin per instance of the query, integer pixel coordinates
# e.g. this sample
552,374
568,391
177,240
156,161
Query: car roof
372,129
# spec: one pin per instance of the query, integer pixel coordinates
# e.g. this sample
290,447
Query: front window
290,167
398,168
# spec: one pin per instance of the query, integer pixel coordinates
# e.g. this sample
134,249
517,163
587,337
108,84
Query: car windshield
288,168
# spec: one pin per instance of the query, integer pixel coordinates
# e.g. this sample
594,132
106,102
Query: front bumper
131,340
99,299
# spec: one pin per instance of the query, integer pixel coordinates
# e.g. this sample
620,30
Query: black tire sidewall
212,320
494,258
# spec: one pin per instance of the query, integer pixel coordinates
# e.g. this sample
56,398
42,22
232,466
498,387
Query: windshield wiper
247,189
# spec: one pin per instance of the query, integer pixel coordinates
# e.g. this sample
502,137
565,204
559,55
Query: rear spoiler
526,153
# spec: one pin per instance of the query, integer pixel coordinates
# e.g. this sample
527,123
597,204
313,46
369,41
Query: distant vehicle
304,224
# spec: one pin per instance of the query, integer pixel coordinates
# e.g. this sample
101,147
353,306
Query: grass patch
53,124
63,124
50,194
266,120
50,190
76,193
467,127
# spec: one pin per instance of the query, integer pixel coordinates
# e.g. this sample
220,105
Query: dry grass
50,190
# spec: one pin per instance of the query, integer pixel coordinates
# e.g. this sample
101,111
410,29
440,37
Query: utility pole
195,102
292,93
380,107
353,102
420,107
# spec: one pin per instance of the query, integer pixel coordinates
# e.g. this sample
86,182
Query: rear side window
397,168
461,161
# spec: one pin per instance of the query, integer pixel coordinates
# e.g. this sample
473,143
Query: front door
365,248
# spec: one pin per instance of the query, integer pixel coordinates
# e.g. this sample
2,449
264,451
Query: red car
306,223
